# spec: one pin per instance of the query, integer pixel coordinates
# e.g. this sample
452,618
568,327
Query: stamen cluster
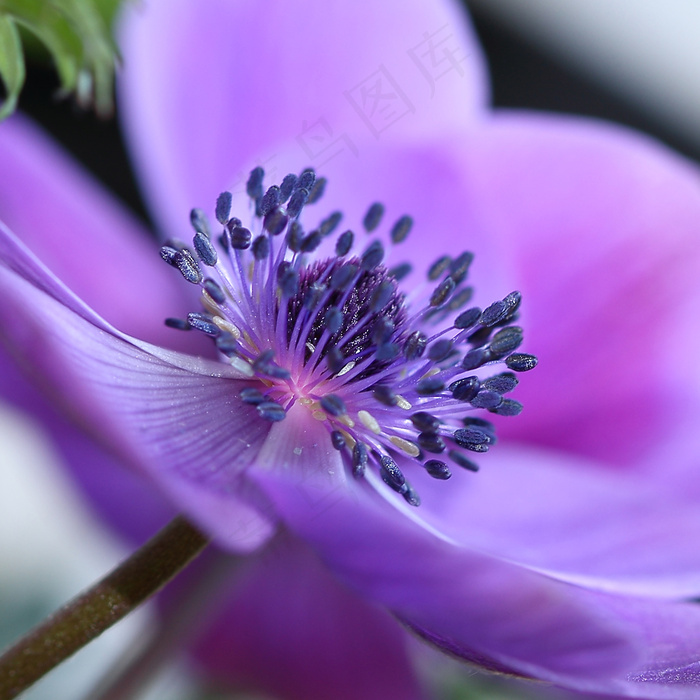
337,335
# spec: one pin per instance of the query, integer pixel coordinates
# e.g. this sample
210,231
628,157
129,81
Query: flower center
394,383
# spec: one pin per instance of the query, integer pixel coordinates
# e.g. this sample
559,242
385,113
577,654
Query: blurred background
635,62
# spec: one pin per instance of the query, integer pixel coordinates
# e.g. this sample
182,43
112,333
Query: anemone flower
304,431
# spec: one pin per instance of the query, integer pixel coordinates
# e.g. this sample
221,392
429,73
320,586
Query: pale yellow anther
227,326
305,401
319,415
430,372
346,420
408,447
403,403
369,421
347,368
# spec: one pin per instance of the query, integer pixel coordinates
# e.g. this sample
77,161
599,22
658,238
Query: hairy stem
84,618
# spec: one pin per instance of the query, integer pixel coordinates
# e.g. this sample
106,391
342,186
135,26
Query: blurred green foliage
76,34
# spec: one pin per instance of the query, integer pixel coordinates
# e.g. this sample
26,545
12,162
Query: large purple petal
603,227
288,628
175,416
483,609
480,607
95,246
209,88
574,520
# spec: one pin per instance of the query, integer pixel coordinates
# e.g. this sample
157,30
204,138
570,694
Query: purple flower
571,555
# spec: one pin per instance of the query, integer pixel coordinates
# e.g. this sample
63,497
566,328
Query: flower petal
84,236
326,78
289,629
604,227
479,607
573,520
175,416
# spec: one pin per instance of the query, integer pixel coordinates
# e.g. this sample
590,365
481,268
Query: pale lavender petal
208,88
602,227
471,604
95,246
574,520
288,628
176,417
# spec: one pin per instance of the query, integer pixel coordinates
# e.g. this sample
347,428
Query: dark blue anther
188,266
333,320
459,267
205,249
297,201
440,350
505,341
310,242
391,474
275,222
317,190
335,360
487,399
204,324
438,267
252,396
224,239
227,344
509,407
288,281
382,330
385,395
430,386
333,404
344,243
482,423
468,318
401,229
401,271
372,256
410,496
494,314
212,288
329,224
476,358
272,411
442,292
414,346
261,247
240,238
343,275
425,422
179,324
437,469
465,389
501,383
472,439
313,296
387,351
480,336
513,300
521,362
254,185
295,235
306,179
270,200
460,460
337,440
287,187
360,457
380,296
373,217
431,442
199,222
462,297
264,364
223,207
169,254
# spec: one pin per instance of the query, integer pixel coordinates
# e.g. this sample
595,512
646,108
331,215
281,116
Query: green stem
84,618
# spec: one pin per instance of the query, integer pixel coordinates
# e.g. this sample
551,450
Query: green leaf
76,35
11,65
